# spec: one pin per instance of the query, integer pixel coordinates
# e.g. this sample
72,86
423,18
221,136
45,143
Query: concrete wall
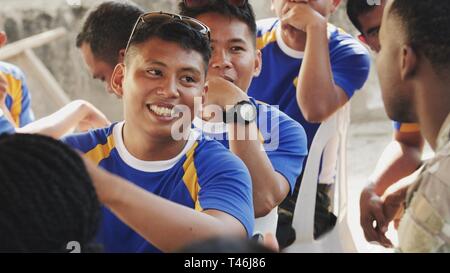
23,18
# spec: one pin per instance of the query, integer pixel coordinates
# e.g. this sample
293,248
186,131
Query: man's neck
293,38
433,107
143,147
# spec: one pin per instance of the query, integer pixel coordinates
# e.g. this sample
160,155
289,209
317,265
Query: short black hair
172,31
356,8
244,13
47,198
107,29
427,27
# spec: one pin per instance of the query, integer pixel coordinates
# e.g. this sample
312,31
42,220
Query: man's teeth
161,111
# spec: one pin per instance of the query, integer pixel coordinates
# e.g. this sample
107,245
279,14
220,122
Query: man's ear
121,55
408,62
117,79
3,38
335,5
272,7
258,63
362,38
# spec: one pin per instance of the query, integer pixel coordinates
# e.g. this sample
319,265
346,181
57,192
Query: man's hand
371,207
93,118
270,241
393,206
221,93
302,16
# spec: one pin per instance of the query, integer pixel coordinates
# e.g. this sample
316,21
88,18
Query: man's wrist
242,112
375,185
231,101
316,27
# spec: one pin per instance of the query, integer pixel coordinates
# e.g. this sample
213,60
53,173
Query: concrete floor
366,141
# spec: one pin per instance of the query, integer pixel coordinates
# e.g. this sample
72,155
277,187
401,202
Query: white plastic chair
339,239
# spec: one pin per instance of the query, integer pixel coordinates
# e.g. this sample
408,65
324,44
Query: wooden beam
40,72
38,40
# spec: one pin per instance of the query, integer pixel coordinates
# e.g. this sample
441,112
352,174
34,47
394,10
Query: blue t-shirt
276,84
282,138
5,126
18,99
204,176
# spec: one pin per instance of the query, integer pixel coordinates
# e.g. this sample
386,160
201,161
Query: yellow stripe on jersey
15,91
266,39
341,31
409,128
331,27
295,82
190,177
101,151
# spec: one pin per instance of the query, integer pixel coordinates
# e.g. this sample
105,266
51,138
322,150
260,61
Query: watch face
247,112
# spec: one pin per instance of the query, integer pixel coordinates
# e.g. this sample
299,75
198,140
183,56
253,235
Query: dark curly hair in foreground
46,196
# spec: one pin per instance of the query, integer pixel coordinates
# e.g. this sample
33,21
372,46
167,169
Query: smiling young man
275,153
403,155
414,69
185,189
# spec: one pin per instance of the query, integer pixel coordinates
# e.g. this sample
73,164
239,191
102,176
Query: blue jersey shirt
204,176
18,99
282,138
276,84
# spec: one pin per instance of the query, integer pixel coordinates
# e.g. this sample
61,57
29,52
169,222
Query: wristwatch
243,112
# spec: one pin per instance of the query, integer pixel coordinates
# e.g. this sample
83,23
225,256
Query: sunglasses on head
164,17
202,3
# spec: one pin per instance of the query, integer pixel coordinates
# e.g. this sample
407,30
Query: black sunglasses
162,17
202,3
